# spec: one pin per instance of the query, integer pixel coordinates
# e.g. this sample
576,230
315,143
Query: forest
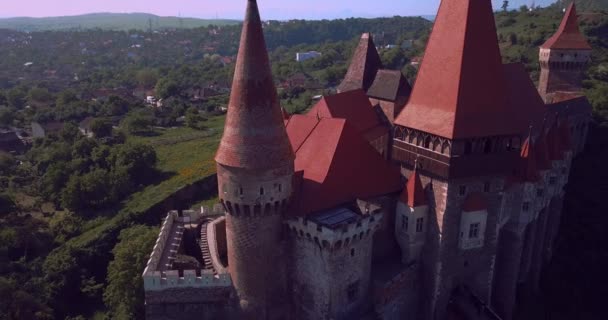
75,227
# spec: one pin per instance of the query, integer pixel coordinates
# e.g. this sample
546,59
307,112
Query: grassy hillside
107,21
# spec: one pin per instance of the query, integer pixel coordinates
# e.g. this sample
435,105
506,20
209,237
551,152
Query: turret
255,166
563,59
411,220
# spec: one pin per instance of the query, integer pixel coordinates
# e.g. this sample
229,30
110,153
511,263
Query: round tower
255,167
563,58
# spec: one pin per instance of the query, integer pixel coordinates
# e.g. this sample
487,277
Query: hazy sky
233,9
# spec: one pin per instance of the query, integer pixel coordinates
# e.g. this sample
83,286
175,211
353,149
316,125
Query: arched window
468,147
487,146
427,142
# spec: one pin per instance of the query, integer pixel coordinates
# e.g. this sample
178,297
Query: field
185,155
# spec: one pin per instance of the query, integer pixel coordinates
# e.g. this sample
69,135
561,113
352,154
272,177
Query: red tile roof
363,66
335,162
254,133
460,88
568,36
354,106
413,193
529,171
524,102
475,201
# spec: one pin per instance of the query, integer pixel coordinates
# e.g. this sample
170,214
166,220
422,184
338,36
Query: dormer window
462,190
262,191
486,187
241,191
419,225
474,230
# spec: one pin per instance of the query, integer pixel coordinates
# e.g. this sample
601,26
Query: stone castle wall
330,269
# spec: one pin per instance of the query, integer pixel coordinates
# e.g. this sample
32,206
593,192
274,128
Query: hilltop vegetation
109,21
589,5
64,256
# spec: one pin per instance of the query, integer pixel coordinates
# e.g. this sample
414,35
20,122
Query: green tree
137,123
193,118
124,293
39,95
505,5
147,78
6,116
166,88
101,128
16,97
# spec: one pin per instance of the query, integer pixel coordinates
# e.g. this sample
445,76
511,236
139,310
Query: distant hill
586,5
108,21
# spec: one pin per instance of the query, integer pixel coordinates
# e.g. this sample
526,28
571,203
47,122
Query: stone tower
563,59
255,166
465,140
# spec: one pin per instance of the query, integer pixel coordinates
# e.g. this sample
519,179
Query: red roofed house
383,201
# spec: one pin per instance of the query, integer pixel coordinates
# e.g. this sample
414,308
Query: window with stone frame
474,230
462,190
540,192
419,224
552,180
352,292
404,222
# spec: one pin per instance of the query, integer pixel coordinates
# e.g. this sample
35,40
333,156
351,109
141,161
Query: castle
385,201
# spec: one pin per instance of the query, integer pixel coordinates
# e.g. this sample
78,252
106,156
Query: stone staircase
204,245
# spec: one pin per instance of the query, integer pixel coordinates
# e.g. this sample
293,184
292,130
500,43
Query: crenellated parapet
334,238
158,274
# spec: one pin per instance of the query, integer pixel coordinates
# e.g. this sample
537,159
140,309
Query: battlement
157,280
158,274
335,237
257,210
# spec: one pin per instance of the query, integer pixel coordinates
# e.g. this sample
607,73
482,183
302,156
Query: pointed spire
529,171
413,194
363,66
254,133
568,35
460,89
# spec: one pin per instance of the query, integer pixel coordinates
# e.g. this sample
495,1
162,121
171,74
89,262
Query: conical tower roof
529,169
363,66
460,89
568,35
254,133
413,194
